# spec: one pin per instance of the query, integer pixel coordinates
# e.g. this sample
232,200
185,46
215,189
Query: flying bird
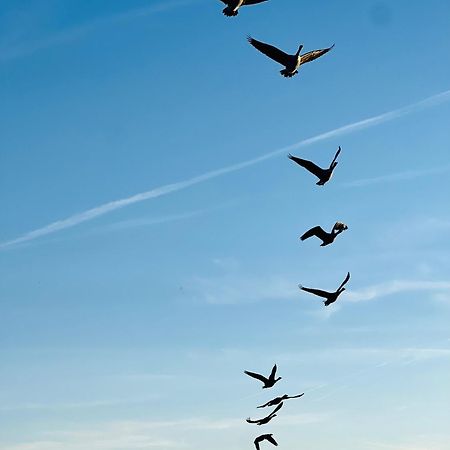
290,62
232,8
268,382
326,238
266,419
265,437
323,175
278,400
330,297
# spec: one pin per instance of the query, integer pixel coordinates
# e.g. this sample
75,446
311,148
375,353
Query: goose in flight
278,400
290,62
232,8
265,437
330,297
326,238
268,382
323,175
266,419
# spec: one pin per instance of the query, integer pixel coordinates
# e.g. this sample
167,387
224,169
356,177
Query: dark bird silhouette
330,297
290,62
323,175
232,8
265,437
266,419
268,382
326,238
278,400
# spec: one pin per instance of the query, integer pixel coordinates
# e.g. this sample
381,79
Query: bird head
278,379
299,50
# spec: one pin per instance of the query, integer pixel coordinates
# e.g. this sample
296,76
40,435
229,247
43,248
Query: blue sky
149,246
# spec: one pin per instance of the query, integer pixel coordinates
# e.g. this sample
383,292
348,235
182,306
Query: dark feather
315,231
318,292
308,165
270,51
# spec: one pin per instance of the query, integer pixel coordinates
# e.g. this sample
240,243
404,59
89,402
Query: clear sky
149,250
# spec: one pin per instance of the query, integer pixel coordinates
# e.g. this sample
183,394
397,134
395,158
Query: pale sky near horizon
149,247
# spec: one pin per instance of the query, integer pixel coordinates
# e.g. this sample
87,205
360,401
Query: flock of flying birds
291,65
278,402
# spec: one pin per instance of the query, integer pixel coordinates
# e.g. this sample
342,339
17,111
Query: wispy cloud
399,176
231,289
101,210
74,405
71,34
183,433
395,287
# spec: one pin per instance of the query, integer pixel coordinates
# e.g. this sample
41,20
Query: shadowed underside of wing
274,371
318,292
256,375
253,2
276,409
345,281
271,440
308,165
311,56
315,231
270,51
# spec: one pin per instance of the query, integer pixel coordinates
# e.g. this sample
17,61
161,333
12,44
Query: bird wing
276,409
274,371
270,51
308,165
248,420
336,155
253,2
315,231
297,396
311,56
318,292
265,404
345,281
271,440
256,375
256,442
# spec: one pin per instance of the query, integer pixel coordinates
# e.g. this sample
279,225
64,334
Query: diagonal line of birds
292,64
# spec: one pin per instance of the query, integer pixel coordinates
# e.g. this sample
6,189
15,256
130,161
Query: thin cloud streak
395,287
399,176
181,185
74,33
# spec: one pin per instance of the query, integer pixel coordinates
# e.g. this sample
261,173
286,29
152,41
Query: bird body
291,63
278,400
266,419
325,237
265,437
330,297
268,382
324,175
232,8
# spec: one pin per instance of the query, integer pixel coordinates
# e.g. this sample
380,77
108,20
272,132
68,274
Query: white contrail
90,214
